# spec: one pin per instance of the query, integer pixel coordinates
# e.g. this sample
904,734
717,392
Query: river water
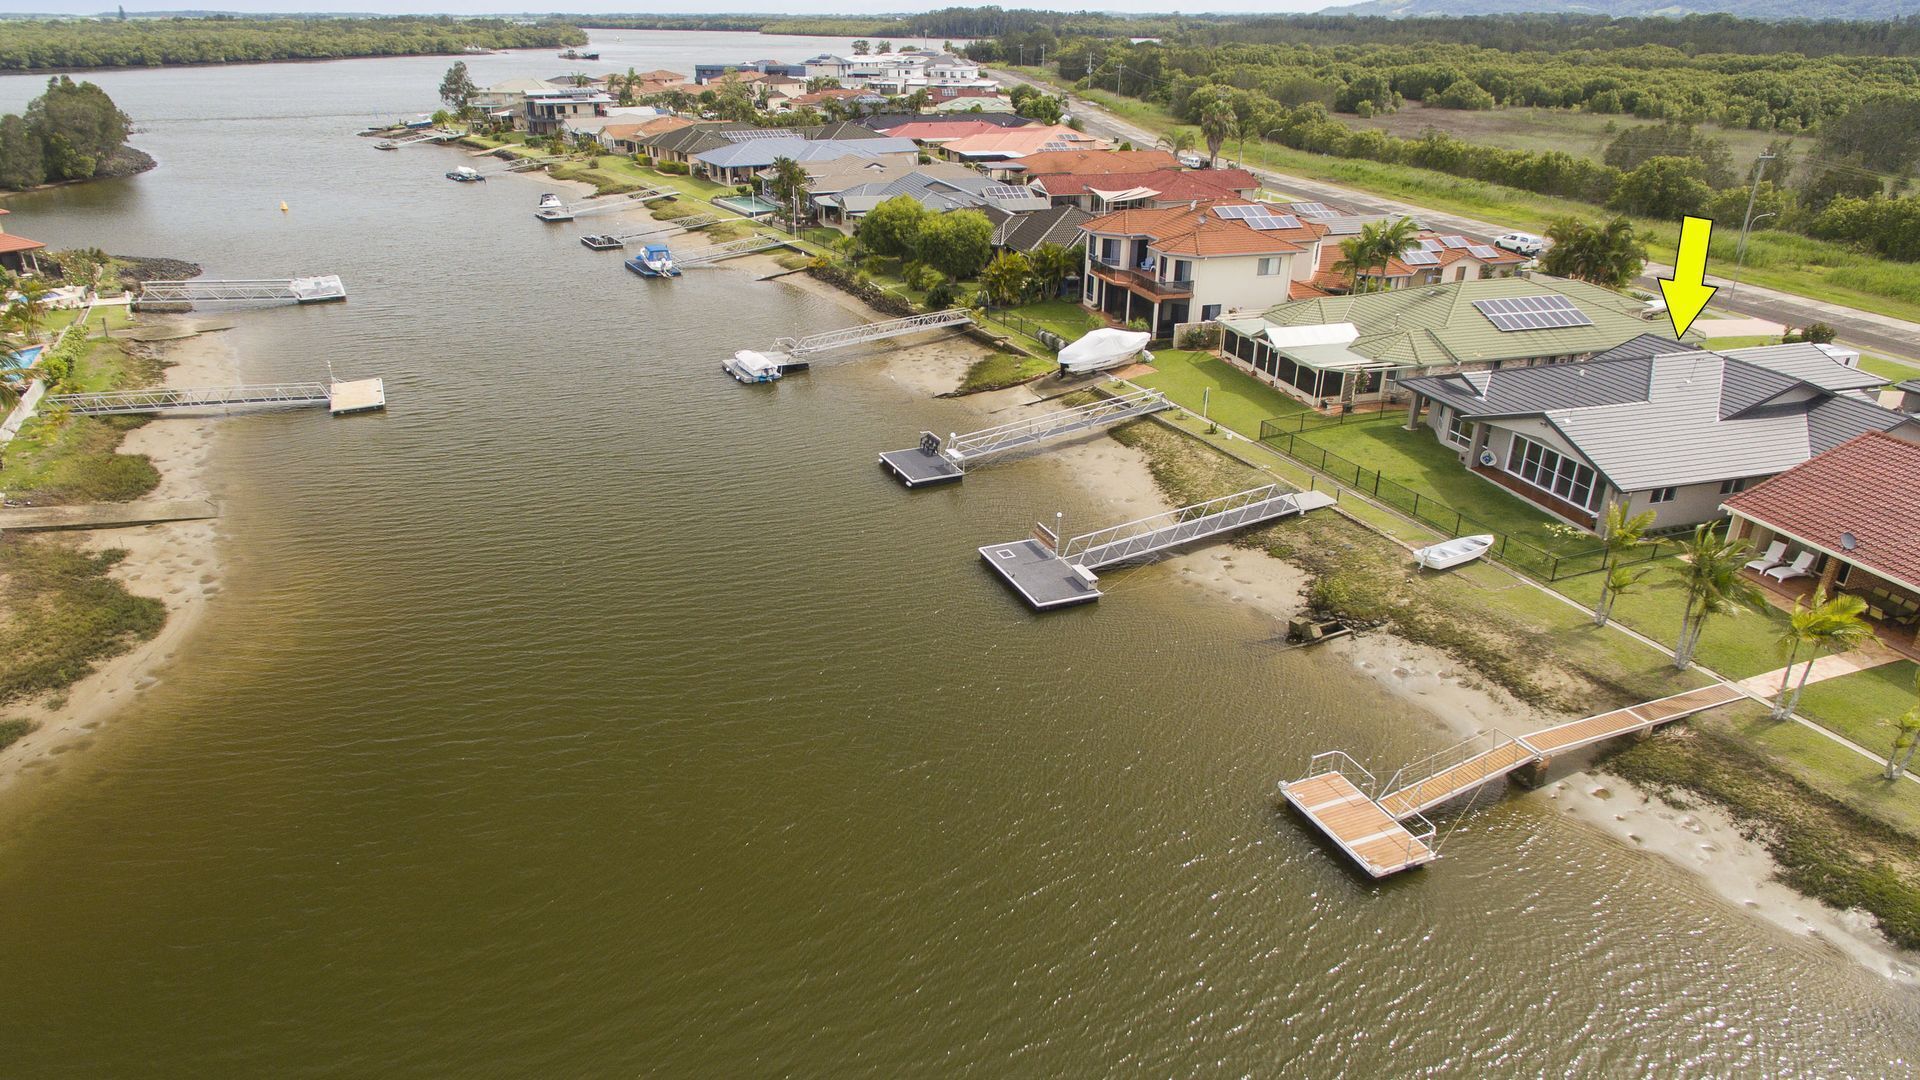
587,714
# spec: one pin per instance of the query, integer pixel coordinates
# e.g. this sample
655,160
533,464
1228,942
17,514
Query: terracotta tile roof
923,130
1868,486
1172,184
1097,161
1024,142
11,243
1197,230
1304,290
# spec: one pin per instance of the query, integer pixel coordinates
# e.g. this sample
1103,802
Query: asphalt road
1868,331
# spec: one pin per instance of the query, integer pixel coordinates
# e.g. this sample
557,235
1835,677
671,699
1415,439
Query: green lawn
1892,370
1821,764
1721,343
1417,461
1862,706
1237,400
1064,317
1737,646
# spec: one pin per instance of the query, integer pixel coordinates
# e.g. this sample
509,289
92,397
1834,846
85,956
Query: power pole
1089,61
1740,252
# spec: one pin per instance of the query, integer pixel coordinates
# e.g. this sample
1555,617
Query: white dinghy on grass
1107,347
1463,549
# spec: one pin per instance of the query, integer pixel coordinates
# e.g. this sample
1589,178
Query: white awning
1285,337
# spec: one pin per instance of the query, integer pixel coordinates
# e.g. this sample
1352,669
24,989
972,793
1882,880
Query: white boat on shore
752,367
1461,549
1107,347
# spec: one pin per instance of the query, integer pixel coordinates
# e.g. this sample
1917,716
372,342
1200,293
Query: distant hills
1750,9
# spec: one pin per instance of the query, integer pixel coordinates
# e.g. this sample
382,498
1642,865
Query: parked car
1192,160
1521,243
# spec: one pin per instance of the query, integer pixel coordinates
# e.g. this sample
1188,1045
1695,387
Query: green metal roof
1434,325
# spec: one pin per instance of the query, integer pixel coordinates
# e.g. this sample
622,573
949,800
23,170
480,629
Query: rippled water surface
586,714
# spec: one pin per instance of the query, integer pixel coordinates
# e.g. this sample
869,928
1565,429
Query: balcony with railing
1141,279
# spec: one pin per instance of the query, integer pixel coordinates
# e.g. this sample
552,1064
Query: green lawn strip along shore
1543,651
1826,847
62,613
1863,706
1737,646
1790,263
62,458
1002,370
1237,400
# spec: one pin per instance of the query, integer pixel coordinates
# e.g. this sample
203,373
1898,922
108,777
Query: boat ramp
320,289
1050,572
937,461
339,398
1374,831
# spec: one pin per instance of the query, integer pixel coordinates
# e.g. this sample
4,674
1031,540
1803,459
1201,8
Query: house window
1109,250
1209,312
1270,266
1459,429
1182,270
1660,495
1553,472
1733,487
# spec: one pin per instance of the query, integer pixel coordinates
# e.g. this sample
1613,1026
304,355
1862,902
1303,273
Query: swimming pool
749,205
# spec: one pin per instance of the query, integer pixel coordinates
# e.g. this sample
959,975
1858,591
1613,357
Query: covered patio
1846,521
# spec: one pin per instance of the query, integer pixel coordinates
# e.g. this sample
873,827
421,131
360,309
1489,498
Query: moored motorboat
748,366
654,260
1461,549
466,174
1099,350
386,144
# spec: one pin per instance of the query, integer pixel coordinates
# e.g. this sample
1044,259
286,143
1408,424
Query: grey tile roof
1529,391
1642,347
1053,225
1803,360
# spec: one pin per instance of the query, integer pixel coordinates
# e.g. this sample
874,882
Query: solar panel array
1456,242
1432,245
1234,212
1309,208
754,134
1322,215
1532,313
1419,257
1258,216
1482,251
1006,191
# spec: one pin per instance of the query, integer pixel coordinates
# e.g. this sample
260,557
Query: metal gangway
1049,572
678,225
1156,533
435,135
528,164
1470,765
634,201
730,250
169,399
301,290
936,461
800,348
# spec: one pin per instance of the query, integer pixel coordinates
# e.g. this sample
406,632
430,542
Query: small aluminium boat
1462,549
602,241
466,174
386,144
1099,350
654,260
748,366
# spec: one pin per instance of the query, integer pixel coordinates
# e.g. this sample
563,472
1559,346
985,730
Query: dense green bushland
34,44
68,133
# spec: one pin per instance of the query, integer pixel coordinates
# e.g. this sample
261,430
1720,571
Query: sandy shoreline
177,563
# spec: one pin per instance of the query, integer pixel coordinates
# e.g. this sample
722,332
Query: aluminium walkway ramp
937,461
732,249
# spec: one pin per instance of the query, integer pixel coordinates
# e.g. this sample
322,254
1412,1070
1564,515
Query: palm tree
1053,264
1355,255
1177,142
789,182
1828,625
1007,278
1906,738
1217,123
1710,575
1621,534
1390,239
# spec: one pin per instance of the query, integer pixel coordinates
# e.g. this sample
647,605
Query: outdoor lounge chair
1802,566
1776,554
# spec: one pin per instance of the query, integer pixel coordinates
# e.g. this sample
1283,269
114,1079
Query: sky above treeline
492,7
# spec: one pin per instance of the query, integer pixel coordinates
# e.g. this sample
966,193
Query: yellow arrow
1687,292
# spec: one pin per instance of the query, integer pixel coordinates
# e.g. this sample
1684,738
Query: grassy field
1001,370
1863,706
61,613
58,458
1784,261
1889,369
1737,646
1233,398
1582,134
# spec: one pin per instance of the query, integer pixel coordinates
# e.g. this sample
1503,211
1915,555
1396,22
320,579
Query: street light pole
1740,253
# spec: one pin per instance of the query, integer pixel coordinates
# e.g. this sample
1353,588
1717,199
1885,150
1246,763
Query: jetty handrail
188,397
1313,768
974,444
1146,530
743,246
1447,757
857,335
677,225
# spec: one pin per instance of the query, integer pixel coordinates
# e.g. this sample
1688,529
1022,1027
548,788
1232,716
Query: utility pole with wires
1740,252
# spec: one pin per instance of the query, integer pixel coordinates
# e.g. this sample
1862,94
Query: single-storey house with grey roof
1675,432
738,162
